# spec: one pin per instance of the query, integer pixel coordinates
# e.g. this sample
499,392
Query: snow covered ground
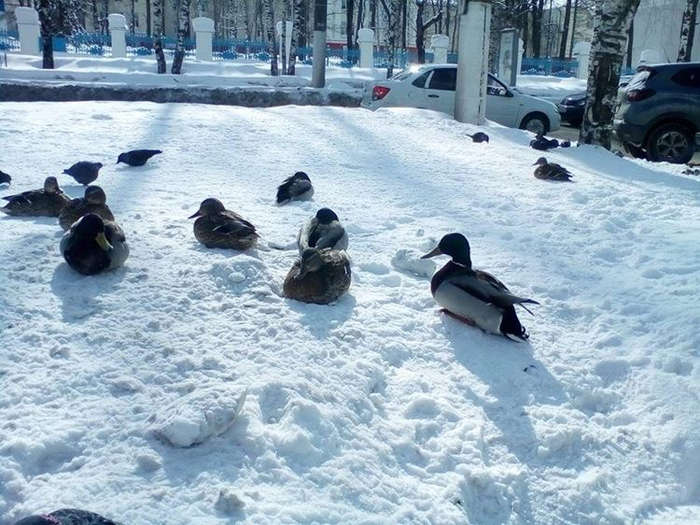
377,409
139,71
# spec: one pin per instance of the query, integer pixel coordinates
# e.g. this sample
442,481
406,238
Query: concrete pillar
203,30
521,52
365,38
439,45
649,56
28,26
472,65
582,53
117,29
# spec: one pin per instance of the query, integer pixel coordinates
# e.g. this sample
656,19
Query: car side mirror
509,93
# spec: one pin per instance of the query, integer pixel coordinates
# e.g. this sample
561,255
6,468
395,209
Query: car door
415,93
502,105
439,92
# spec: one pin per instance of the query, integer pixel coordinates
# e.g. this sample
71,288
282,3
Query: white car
433,87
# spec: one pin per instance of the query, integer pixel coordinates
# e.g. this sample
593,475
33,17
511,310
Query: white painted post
28,26
288,43
117,29
472,66
582,52
203,31
521,52
282,67
365,38
439,45
649,56
318,68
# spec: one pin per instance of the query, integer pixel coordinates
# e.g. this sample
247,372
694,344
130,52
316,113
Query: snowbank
377,409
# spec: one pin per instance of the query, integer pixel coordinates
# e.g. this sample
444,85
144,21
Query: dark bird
92,245
84,172
478,137
323,231
565,144
542,143
95,201
137,157
47,202
67,517
474,296
296,187
319,276
551,171
217,227
5,178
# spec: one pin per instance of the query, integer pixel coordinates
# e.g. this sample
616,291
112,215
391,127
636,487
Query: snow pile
375,409
550,88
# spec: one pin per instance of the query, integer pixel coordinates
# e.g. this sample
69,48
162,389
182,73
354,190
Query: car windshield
403,75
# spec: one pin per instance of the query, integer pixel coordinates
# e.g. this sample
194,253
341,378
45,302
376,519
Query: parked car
433,87
659,114
571,108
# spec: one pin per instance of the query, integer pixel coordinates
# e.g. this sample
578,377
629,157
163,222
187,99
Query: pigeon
137,157
551,171
84,172
542,143
296,187
5,178
479,137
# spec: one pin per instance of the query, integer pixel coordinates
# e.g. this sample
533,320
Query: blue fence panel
549,66
9,41
232,49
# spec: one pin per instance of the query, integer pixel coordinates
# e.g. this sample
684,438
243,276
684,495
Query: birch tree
183,22
158,32
392,11
690,15
565,30
612,22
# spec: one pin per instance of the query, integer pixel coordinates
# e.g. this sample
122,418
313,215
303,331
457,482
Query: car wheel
535,122
671,143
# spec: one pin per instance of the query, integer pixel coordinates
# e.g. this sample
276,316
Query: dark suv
659,112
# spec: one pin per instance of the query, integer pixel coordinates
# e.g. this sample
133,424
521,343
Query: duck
542,143
84,172
479,136
67,517
474,296
318,276
323,231
296,187
47,202
5,178
93,245
94,201
551,171
217,227
137,157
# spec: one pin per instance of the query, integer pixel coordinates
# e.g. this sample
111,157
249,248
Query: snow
550,88
141,72
376,409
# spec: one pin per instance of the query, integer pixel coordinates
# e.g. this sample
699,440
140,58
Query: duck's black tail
511,327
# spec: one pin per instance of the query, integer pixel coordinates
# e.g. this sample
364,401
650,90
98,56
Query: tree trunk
420,32
526,31
183,22
537,10
573,29
349,29
612,21
630,44
565,31
47,30
158,32
148,17
300,23
404,23
392,11
373,14
95,16
271,36
447,19
690,15
132,29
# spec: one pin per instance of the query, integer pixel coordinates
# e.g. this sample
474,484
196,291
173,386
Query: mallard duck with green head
217,227
474,296
318,276
93,245
323,231
46,202
94,201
